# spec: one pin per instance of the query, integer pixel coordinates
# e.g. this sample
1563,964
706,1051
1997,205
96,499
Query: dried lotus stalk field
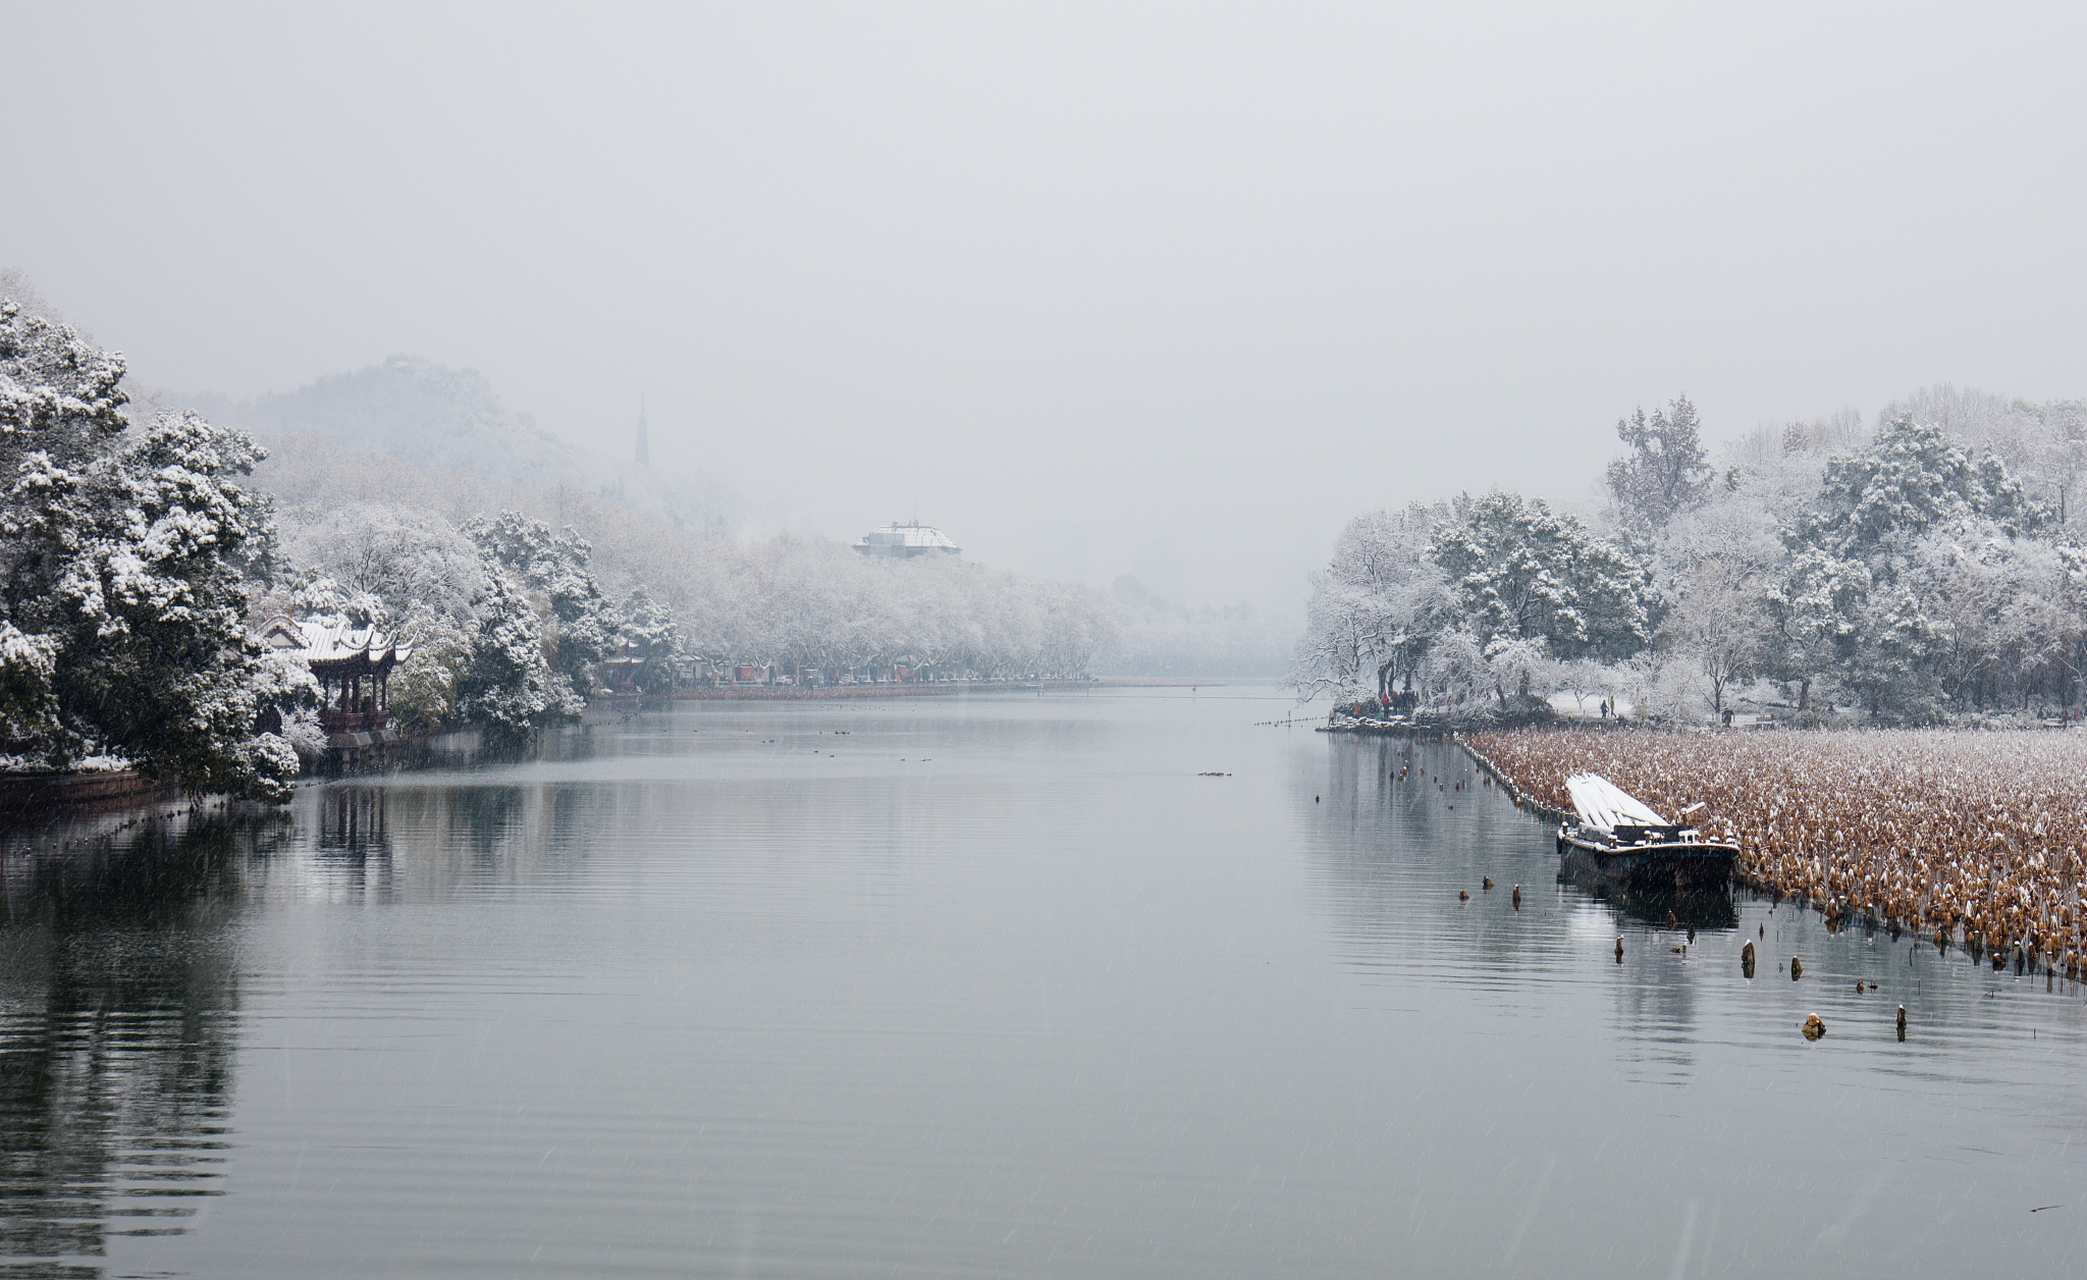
1978,834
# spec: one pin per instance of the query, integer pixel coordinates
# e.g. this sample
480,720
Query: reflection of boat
1702,906
1619,838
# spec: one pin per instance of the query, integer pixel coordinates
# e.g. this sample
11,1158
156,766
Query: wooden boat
1620,838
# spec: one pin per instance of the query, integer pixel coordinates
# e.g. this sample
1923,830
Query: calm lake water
990,987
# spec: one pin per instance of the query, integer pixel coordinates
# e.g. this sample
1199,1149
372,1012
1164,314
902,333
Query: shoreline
21,793
1863,852
106,801
1506,782
907,689
85,808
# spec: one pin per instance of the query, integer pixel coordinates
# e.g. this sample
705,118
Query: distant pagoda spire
644,446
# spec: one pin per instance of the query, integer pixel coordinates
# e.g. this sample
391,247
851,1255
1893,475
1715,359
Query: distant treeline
403,538
1922,571
144,548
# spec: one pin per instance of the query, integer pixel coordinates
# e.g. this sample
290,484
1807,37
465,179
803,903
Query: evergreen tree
1912,478
654,638
1523,572
555,565
1667,471
1844,610
121,596
507,685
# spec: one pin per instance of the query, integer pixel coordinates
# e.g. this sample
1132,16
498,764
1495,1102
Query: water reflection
1405,828
352,821
1699,908
1408,829
761,990
351,846
118,1007
421,838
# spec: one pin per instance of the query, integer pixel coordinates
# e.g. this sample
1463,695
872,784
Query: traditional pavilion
906,541
619,671
353,666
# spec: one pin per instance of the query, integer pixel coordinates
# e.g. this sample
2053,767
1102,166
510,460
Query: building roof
906,539
323,640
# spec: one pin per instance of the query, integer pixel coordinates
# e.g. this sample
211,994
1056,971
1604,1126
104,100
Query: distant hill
418,412
444,420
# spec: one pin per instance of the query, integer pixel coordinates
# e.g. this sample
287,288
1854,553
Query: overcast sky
1093,287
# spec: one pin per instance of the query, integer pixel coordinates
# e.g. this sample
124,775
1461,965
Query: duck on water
1619,838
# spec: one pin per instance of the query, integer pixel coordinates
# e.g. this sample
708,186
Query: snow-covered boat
1621,838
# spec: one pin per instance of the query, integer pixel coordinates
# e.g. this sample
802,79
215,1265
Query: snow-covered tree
1720,627
1906,574
1846,606
1815,610
2003,611
651,635
28,693
1522,572
122,565
507,685
1667,470
121,595
2043,445
583,630
1378,605
61,398
1874,504
424,690
415,564
1715,567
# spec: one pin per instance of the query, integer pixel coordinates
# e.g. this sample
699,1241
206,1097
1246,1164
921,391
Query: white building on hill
905,541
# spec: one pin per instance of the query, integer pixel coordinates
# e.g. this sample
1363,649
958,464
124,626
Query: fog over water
1103,289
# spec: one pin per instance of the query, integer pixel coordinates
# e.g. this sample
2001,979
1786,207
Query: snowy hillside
441,420
418,412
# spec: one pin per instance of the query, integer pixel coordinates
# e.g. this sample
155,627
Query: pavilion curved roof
334,640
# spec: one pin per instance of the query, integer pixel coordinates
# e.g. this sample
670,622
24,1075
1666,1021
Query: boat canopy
1604,805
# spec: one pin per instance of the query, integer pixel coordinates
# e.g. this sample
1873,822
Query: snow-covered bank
1965,835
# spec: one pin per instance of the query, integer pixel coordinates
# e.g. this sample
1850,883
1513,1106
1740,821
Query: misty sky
1096,288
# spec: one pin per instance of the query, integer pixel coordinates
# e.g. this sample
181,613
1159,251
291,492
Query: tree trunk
1804,695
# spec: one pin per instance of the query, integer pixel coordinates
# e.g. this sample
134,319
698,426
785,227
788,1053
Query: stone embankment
25,796
66,810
